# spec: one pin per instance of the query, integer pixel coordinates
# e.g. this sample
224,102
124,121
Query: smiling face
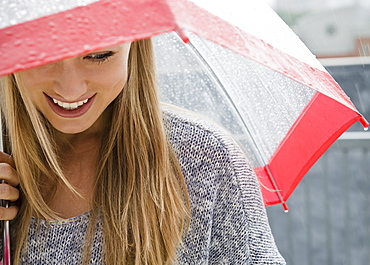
73,93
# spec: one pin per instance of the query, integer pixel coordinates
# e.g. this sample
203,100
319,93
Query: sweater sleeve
240,230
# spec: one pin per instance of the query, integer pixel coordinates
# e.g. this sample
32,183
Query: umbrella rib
257,151
277,190
218,81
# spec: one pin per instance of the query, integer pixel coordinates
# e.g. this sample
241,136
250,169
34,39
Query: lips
70,109
70,106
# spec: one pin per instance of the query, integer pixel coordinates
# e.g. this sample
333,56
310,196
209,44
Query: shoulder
187,128
229,223
206,152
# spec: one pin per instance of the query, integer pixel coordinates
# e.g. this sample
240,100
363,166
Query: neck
83,142
79,157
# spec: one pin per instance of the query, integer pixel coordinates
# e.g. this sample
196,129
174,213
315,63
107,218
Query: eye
99,57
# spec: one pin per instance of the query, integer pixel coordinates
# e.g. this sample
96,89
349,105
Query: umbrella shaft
6,242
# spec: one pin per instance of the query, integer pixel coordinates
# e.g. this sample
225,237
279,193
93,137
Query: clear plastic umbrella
235,62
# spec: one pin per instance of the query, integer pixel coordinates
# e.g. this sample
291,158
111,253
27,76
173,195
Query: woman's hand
8,190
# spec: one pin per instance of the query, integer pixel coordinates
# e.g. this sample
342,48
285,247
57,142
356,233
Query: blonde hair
140,194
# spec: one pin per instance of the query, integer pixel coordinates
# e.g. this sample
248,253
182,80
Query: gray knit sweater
229,223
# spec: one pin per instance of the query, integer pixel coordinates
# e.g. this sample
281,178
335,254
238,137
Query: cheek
27,78
27,85
114,78
32,83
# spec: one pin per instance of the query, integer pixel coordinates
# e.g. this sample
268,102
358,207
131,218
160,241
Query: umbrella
6,236
233,61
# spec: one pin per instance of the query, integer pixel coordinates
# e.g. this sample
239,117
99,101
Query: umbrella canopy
241,66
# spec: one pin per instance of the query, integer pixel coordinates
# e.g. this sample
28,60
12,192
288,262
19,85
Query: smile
70,106
70,109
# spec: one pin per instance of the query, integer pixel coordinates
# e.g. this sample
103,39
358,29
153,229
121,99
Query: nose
69,83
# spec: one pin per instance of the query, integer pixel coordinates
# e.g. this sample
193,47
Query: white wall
312,5
334,32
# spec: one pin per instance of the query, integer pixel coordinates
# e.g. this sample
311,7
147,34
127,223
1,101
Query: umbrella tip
285,207
364,123
182,35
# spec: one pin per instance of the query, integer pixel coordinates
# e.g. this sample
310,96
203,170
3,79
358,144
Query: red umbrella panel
250,72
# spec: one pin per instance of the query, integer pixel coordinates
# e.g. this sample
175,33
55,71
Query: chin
86,125
70,129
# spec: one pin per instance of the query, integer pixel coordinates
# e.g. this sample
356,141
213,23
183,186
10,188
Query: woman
105,177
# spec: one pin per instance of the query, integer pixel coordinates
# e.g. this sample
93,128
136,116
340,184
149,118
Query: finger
8,213
8,193
5,158
9,174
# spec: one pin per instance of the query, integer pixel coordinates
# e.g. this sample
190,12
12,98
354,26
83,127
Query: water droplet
366,129
42,56
18,43
69,16
32,53
87,47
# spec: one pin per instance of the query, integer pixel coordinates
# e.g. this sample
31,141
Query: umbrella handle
6,244
6,235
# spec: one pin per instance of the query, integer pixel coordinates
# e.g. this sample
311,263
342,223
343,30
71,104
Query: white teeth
70,106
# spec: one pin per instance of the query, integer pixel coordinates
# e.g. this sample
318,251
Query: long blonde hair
140,194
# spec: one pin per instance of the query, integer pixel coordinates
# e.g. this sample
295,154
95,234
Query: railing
329,218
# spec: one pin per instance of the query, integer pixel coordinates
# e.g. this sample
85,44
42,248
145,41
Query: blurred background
329,218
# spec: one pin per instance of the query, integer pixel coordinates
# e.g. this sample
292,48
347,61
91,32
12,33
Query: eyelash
99,57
